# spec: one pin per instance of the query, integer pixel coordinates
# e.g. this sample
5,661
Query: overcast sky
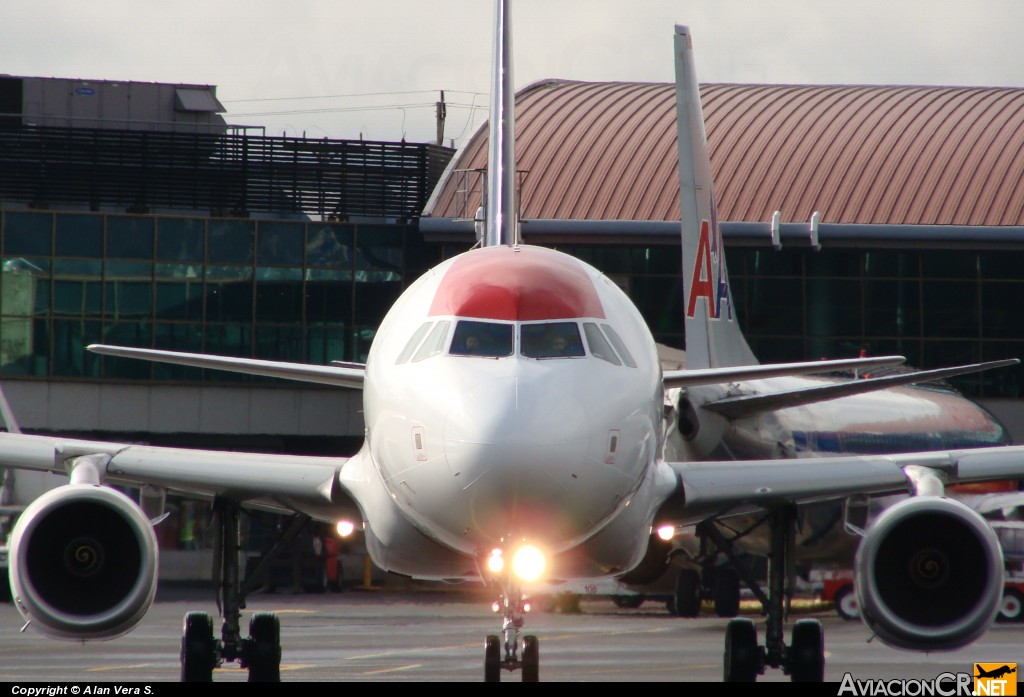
375,67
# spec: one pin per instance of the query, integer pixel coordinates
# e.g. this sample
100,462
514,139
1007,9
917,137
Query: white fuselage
514,439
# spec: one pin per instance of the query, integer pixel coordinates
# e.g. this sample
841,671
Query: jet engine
929,574
83,563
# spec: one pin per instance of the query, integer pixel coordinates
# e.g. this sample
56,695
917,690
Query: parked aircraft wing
347,375
745,405
716,376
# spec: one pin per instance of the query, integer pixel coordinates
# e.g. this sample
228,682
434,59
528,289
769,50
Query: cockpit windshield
536,340
486,339
551,340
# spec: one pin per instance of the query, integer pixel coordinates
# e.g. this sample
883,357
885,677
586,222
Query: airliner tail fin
713,336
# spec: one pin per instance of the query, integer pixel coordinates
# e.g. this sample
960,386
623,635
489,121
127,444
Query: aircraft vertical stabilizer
501,161
713,336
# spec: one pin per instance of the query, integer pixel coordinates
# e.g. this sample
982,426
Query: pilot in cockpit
558,345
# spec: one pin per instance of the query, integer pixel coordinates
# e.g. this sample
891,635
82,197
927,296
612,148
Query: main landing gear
804,658
713,581
260,653
511,651
720,583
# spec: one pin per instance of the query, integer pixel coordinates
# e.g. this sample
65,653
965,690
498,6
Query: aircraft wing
745,405
269,481
340,375
708,489
716,376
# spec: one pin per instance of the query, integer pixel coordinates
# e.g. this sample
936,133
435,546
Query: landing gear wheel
741,662
846,604
1012,607
687,595
726,592
807,652
264,648
197,648
492,659
531,659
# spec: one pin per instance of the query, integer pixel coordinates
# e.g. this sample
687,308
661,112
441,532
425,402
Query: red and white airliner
516,422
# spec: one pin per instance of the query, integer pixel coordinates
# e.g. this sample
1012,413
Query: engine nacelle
929,574
83,563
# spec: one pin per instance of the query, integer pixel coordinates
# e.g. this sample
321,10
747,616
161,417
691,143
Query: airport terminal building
135,214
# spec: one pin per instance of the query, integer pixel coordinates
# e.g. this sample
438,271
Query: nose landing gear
512,651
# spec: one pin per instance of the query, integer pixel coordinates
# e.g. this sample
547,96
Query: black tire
726,592
1011,609
687,595
264,658
198,652
742,657
846,604
531,659
807,652
628,602
492,659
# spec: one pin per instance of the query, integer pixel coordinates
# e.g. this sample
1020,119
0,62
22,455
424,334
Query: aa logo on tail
709,279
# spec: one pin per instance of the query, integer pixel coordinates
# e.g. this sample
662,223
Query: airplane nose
520,459
481,423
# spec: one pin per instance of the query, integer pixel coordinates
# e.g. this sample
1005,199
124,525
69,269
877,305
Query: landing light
345,528
495,562
528,563
666,532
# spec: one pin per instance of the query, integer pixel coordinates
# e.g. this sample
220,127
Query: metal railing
226,174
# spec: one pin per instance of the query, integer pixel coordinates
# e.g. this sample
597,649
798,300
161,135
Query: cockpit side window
620,346
486,339
434,343
417,337
599,346
551,340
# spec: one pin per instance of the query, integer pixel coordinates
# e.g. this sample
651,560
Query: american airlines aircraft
516,425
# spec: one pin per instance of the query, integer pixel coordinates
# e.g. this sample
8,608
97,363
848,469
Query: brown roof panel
857,154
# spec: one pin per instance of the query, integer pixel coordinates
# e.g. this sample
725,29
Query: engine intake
929,574
83,563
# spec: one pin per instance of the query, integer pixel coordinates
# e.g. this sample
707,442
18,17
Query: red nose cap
517,284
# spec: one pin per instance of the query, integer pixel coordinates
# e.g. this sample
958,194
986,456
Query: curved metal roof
857,154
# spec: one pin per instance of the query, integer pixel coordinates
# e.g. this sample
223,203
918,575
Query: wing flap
346,375
738,407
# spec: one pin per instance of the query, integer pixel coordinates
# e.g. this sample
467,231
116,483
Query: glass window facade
296,291
936,307
316,292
